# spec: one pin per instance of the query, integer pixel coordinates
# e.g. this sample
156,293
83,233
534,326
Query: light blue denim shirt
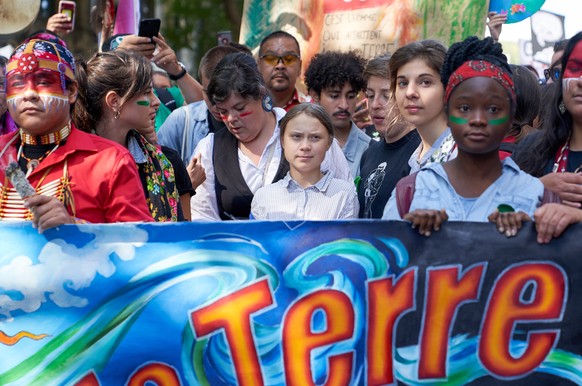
434,191
184,128
357,143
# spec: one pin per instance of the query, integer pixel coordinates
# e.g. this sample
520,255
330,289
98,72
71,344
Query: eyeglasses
273,60
552,72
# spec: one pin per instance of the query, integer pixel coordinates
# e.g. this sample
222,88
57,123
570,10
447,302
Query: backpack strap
166,98
404,193
186,137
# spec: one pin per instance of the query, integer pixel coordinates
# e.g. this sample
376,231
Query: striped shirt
329,199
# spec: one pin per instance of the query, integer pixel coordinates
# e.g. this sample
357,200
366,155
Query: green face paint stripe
457,120
499,121
143,103
464,121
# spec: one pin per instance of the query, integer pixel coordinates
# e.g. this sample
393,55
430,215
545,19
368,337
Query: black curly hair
473,48
332,69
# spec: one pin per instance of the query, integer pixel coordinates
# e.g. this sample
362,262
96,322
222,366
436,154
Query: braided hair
473,48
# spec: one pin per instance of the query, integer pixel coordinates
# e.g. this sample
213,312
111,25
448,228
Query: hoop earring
267,103
562,107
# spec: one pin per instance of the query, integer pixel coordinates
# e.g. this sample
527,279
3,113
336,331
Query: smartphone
149,28
224,38
68,8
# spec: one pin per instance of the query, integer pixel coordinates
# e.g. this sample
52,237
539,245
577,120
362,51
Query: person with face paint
187,125
248,155
116,100
554,153
77,176
480,103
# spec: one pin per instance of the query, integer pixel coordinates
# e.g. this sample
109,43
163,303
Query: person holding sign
333,80
306,193
475,186
248,155
117,102
418,92
385,162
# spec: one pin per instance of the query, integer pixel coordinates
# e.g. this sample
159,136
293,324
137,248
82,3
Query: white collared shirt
204,205
328,199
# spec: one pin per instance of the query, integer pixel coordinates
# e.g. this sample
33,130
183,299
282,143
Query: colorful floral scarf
162,195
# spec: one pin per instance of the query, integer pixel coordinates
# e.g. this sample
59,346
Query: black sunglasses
553,73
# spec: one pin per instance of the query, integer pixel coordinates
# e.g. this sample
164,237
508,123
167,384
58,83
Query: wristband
180,75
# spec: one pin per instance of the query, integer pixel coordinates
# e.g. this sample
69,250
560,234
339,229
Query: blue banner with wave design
273,303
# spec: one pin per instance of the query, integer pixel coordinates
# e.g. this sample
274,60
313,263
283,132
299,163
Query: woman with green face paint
116,101
475,186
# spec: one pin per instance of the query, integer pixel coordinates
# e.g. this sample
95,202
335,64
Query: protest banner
369,27
273,303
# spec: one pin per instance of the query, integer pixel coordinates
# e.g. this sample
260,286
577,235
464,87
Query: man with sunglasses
553,73
280,65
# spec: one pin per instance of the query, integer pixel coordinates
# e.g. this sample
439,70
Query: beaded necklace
11,205
46,139
54,138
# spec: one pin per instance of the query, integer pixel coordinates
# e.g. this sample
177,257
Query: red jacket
104,180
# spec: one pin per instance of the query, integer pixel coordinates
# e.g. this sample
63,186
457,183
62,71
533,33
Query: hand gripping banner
273,303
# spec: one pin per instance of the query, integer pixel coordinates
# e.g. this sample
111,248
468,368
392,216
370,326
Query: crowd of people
424,134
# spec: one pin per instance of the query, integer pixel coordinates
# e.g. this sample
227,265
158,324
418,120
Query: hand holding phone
68,8
149,28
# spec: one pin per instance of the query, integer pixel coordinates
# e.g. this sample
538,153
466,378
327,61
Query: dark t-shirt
383,165
572,163
183,183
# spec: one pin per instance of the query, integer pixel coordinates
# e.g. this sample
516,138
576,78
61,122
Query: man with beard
280,65
334,80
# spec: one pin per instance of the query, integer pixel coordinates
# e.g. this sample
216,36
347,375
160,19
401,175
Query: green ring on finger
504,208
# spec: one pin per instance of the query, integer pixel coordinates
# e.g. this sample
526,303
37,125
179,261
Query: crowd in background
425,134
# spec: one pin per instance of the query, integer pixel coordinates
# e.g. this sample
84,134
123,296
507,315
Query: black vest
233,195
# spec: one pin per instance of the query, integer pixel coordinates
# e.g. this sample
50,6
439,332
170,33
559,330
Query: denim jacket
434,191
184,128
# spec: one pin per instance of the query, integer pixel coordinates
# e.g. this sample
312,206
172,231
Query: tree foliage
192,24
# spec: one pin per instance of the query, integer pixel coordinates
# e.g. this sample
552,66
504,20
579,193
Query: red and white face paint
573,67
41,85
572,83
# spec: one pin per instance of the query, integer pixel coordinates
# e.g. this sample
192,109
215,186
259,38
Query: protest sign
274,303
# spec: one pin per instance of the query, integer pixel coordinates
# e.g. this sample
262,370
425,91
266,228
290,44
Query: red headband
475,68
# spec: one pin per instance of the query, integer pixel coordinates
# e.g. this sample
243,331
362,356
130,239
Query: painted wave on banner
113,314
